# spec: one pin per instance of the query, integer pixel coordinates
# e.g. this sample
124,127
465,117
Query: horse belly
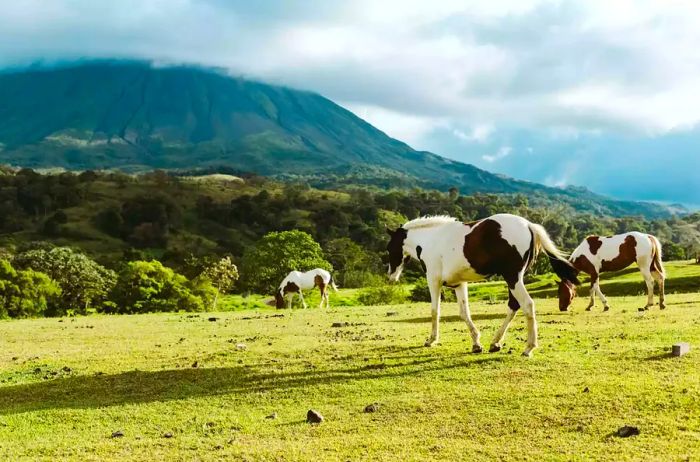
461,275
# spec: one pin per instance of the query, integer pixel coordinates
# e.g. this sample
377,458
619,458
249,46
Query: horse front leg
463,299
303,302
434,284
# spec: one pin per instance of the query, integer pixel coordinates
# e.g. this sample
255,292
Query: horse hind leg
513,307
649,281
528,306
660,281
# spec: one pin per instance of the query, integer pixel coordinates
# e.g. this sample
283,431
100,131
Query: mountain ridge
133,116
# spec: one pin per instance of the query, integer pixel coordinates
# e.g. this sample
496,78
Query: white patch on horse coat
610,249
306,281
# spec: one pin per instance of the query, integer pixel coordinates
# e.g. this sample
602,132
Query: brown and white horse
598,254
296,282
454,253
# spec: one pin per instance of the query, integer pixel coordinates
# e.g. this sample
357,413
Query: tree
353,264
275,255
24,293
222,275
148,286
82,280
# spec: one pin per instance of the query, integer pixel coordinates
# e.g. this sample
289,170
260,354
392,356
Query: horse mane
428,221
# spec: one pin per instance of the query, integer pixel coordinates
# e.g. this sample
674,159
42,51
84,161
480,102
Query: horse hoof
430,343
588,309
527,354
494,348
606,308
662,307
477,349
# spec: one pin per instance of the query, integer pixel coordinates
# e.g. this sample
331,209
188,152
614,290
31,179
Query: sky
602,94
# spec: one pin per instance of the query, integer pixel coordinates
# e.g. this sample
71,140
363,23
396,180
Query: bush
421,293
148,286
83,281
353,279
388,294
24,293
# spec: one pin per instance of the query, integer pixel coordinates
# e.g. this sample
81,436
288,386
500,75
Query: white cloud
502,152
479,133
623,66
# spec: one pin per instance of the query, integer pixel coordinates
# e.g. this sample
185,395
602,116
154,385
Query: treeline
187,224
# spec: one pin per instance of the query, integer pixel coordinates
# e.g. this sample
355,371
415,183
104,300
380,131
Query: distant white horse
296,282
454,253
598,254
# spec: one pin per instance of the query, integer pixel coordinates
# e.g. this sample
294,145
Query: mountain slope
133,116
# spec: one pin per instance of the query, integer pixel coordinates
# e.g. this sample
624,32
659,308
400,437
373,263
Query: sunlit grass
67,384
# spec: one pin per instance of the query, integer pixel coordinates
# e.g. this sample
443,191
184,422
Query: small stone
66,369
195,364
15,358
679,349
340,324
392,313
272,416
213,319
586,390
627,431
37,370
374,407
314,417
167,435
117,434
241,346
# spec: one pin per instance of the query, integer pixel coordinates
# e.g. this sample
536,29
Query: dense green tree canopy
82,280
24,293
148,286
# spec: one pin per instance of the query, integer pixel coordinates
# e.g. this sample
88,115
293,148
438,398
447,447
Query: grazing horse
454,253
598,254
296,282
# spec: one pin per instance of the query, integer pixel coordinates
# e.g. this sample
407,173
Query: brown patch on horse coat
582,263
318,282
627,255
488,253
395,248
290,287
594,244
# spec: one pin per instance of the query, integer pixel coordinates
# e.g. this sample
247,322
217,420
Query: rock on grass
374,407
117,434
627,431
314,417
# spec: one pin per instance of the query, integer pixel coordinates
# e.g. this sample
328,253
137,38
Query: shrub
388,294
24,293
421,293
148,286
83,281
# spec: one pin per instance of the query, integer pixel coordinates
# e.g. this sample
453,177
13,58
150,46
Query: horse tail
656,256
558,259
332,284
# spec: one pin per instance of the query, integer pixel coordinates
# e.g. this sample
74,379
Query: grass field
66,385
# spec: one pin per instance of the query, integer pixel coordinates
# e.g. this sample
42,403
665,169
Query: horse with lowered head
454,253
296,282
599,254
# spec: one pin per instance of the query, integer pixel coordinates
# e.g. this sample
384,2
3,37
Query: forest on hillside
188,223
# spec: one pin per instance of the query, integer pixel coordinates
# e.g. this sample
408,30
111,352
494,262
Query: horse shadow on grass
135,387
451,318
